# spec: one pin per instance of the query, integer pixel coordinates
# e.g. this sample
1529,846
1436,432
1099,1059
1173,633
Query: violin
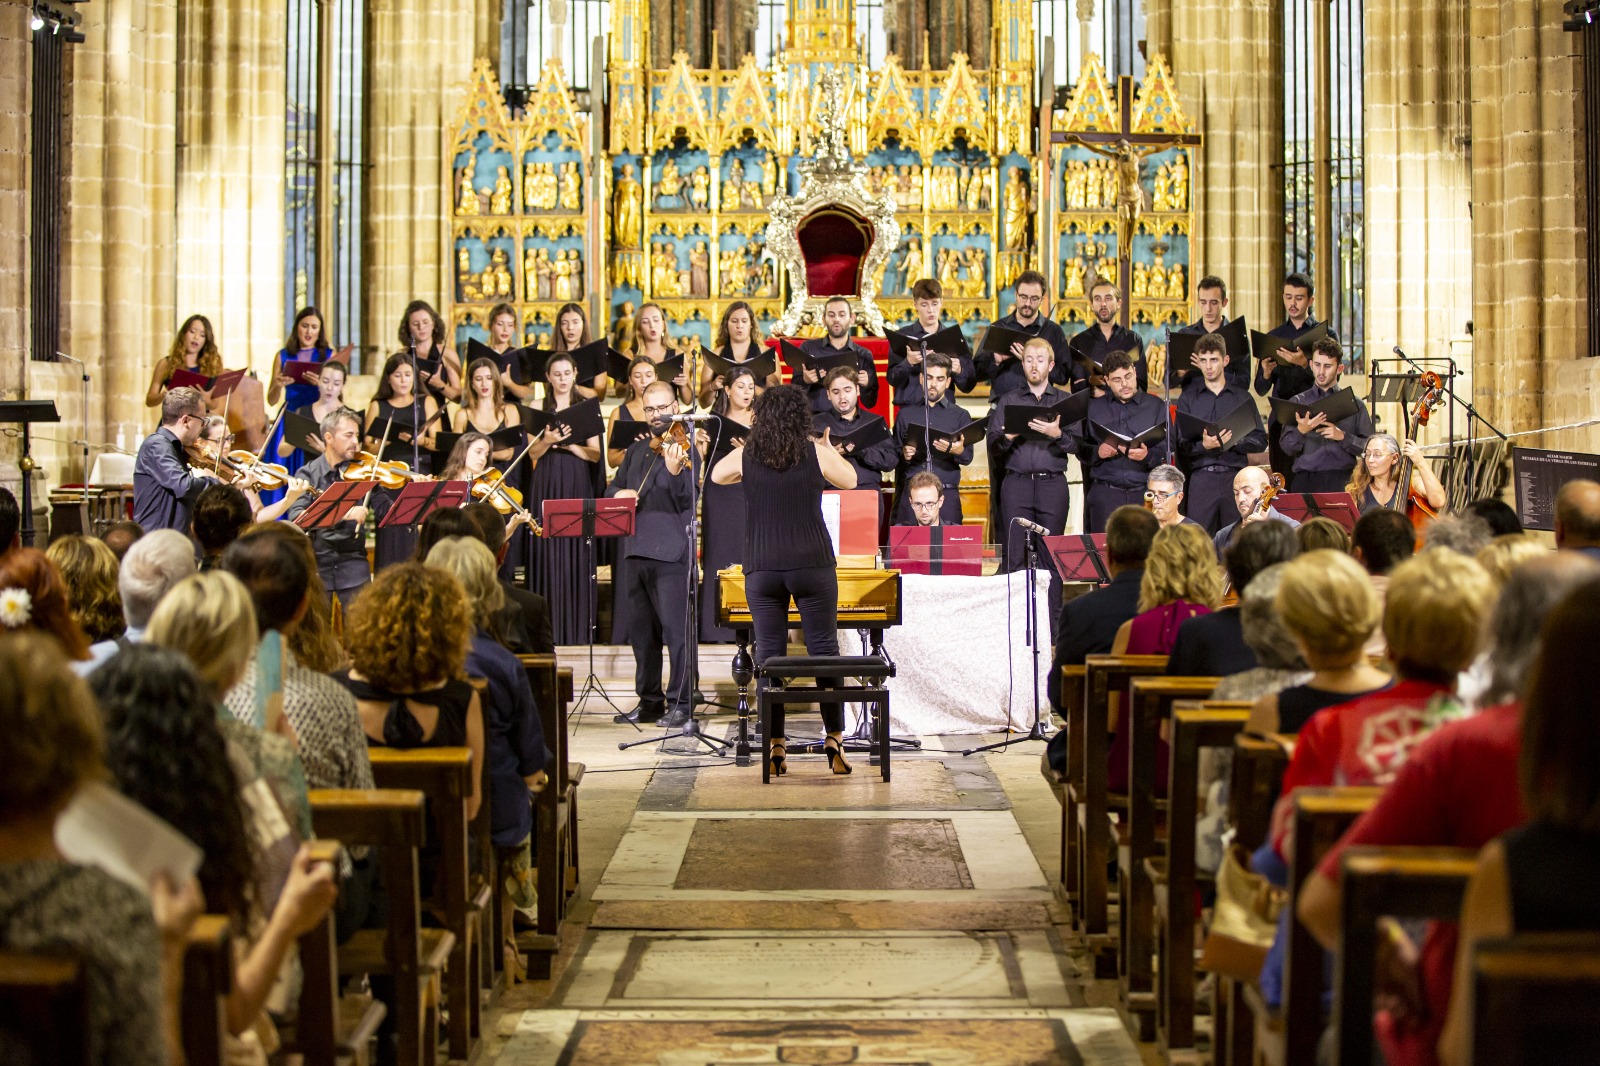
1275,487
677,433
390,473
265,475
207,458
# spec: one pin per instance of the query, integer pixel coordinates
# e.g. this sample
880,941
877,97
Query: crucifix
1128,149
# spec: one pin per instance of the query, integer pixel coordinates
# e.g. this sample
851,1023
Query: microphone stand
1037,730
85,442
416,410
1472,413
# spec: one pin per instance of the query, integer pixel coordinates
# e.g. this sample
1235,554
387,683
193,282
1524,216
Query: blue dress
295,397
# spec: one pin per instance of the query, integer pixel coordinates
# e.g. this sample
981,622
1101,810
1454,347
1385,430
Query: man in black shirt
659,556
927,300
1290,374
945,459
1119,470
844,416
1215,459
836,317
1213,645
1211,297
926,498
1003,370
1035,483
1102,338
341,549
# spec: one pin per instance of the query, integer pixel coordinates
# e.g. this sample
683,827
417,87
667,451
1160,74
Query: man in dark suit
1212,645
1248,485
836,318
659,557
1088,624
1288,373
164,490
528,611
1003,370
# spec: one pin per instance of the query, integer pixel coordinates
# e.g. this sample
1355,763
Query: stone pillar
419,62
230,169
1225,55
1418,177
1528,244
16,71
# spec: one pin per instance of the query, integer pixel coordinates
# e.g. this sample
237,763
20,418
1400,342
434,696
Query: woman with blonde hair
1374,481
89,570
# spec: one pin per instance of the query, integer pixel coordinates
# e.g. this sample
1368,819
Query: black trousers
1102,499
1319,480
1045,500
1209,496
658,599
1281,461
815,591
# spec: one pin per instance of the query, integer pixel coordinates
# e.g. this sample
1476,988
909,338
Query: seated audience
221,513
132,958
1328,606
1578,517
34,598
408,634
311,638
1321,532
1464,533
152,566
1458,789
90,572
1506,552
446,522
1279,661
1382,540
120,536
1213,645
530,633
1540,877
1088,624
1500,516
166,752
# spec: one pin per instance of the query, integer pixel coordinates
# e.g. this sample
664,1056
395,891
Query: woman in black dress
722,506
396,401
564,469
787,550
422,328
738,341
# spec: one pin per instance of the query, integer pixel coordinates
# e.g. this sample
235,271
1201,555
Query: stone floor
817,919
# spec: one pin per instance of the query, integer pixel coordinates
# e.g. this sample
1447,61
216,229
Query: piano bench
826,670
781,668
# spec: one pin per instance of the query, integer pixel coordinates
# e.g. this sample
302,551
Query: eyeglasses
1161,497
668,409
923,505
1021,299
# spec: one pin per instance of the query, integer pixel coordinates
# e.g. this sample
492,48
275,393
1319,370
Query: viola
390,473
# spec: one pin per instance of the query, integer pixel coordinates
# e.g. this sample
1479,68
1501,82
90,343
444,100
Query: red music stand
588,517
420,499
333,503
1080,557
1304,506
943,550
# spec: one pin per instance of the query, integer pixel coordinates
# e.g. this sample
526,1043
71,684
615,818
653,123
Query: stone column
16,94
419,61
1418,177
1225,55
1528,242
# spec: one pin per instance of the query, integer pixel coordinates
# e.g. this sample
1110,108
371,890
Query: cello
1406,497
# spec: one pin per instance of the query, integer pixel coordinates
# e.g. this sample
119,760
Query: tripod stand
1037,731
590,518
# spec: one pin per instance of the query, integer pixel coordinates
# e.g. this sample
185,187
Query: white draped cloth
962,661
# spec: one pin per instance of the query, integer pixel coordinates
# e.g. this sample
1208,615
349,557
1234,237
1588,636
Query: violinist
396,401
658,558
342,550
165,484
484,409
563,469
1375,480
1249,485
469,461
422,332
211,453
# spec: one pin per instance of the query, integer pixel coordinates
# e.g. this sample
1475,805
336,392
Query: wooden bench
444,776
555,810
323,1032
207,980
1378,883
1141,837
392,821
44,1005
1288,1035
1104,675
1533,1000
1195,727
1072,679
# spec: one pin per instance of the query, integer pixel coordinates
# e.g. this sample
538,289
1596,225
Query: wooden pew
414,957
44,1005
1378,883
1288,1035
1533,1000
444,776
1141,837
1195,726
1103,676
555,815
207,980
1072,679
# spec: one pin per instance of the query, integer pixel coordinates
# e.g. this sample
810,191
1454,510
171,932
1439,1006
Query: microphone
1031,527
1397,351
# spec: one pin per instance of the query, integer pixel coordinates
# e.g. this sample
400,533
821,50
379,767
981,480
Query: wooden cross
1141,144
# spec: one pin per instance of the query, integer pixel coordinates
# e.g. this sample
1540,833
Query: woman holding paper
563,469
329,398
485,410
194,353
738,341
572,333
194,349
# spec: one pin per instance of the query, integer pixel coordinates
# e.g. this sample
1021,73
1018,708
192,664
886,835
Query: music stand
334,502
1080,557
1304,506
939,550
25,413
420,499
590,518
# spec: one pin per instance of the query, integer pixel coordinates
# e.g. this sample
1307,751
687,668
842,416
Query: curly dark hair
404,333
410,629
221,513
165,751
780,429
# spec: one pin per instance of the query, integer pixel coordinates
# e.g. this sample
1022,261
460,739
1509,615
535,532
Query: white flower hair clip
16,607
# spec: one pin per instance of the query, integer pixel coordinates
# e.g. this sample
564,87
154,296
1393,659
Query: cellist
1375,481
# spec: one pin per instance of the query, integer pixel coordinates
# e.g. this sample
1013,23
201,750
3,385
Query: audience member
311,638
132,959
120,536
154,564
1541,877
165,751
10,522
1328,606
1213,645
1506,552
221,513
1500,516
90,571
446,522
1322,532
1578,517
1382,540
1458,789
1464,533
531,633
1279,661
1088,624
34,597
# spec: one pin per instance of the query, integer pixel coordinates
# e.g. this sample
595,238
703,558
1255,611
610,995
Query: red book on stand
945,550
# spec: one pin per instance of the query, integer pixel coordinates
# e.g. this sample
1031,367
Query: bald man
1578,517
1248,484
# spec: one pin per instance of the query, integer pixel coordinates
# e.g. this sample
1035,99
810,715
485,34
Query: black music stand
1080,557
1037,730
419,499
25,413
1304,506
333,503
590,518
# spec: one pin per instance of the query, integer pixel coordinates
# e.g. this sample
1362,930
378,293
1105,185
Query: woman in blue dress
307,343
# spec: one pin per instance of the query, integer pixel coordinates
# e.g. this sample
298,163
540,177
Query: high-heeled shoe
835,753
778,758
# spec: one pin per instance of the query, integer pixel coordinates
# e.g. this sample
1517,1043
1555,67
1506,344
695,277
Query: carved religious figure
541,273
1072,281
670,182
700,188
976,281
530,186
530,273
501,271
1018,216
950,270
911,265
911,177
622,329
699,270
560,275
1073,177
975,198
1141,280
730,272
627,206
1178,189
571,187
1159,197
1122,177
733,186
500,199
467,202
1176,288
769,179
1158,273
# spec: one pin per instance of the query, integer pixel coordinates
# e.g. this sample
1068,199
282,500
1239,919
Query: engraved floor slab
867,915
919,781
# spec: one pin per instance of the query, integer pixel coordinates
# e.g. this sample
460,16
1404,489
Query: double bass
1406,498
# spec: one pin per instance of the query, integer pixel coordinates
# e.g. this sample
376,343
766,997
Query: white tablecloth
959,668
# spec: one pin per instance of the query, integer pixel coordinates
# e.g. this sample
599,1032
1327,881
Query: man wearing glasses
926,496
656,579
1003,370
1164,489
164,489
